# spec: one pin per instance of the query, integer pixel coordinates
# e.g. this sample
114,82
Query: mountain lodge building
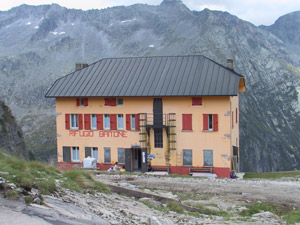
178,113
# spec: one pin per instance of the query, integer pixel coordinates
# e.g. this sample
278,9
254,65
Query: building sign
151,156
101,133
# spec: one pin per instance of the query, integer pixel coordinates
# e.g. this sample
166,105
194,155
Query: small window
106,122
82,102
95,153
120,122
110,102
210,122
236,115
187,122
207,157
94,121
196,101
132,124
187,157
74,121
121,155
107,157
75,154
119,101
158,138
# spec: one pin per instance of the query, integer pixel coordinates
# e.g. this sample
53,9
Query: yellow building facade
176,133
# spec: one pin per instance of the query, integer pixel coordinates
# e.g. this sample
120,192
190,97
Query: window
95,153
66,154
82,102
207,157
121,155
158,138
94,121
120,122
107,158
132,124
187,157
210,122
196,101
186,121
132,121
119,101
75,154
110,102
236,115
106,122
74,121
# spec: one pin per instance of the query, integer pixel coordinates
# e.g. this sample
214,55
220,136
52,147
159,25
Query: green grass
291,216
273,175
174,206
11,194
82,181
188,196
207,211
34,174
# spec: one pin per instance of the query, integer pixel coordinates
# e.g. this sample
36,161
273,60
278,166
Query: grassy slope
273,175
47,179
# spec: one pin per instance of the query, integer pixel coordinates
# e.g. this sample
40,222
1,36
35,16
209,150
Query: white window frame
117,101
106,123
81,100
107,148
75,154
210,121
120,125
208,150
132,121
74,123
94,149
95,118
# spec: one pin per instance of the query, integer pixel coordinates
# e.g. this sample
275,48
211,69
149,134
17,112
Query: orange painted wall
197,139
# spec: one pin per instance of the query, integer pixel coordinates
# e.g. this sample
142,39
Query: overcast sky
255,11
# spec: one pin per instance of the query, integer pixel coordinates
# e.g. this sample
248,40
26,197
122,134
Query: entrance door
136,160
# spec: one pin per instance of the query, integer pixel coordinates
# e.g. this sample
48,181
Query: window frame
105,159
118,123
75,157
106,122
119,155
158,138
132,121
93,149
183,161
208,150
117,102
73,120
95,117
210,122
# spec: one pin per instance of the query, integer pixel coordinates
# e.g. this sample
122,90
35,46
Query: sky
258,12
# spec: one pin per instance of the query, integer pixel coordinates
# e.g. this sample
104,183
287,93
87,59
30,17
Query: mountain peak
169,2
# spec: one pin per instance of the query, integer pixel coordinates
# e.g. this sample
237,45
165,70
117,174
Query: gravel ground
217,195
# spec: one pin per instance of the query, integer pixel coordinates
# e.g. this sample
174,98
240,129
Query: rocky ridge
54,38
11,135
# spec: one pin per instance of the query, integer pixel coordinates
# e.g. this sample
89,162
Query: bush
11,194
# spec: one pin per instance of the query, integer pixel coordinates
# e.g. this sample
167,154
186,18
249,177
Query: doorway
136,160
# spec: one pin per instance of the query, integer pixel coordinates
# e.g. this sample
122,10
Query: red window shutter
99,121
68,121
113,121
85,102
110,101
186,121
236,115
128,122
205,121
80,122
87,121
137,121
196,101
77,102
215,121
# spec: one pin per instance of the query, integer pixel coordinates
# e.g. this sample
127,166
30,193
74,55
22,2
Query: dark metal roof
149,76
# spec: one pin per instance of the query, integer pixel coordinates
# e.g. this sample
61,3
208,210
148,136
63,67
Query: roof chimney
230,64
79,66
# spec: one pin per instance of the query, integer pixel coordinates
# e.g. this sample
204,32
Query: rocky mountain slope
42,43
11,135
